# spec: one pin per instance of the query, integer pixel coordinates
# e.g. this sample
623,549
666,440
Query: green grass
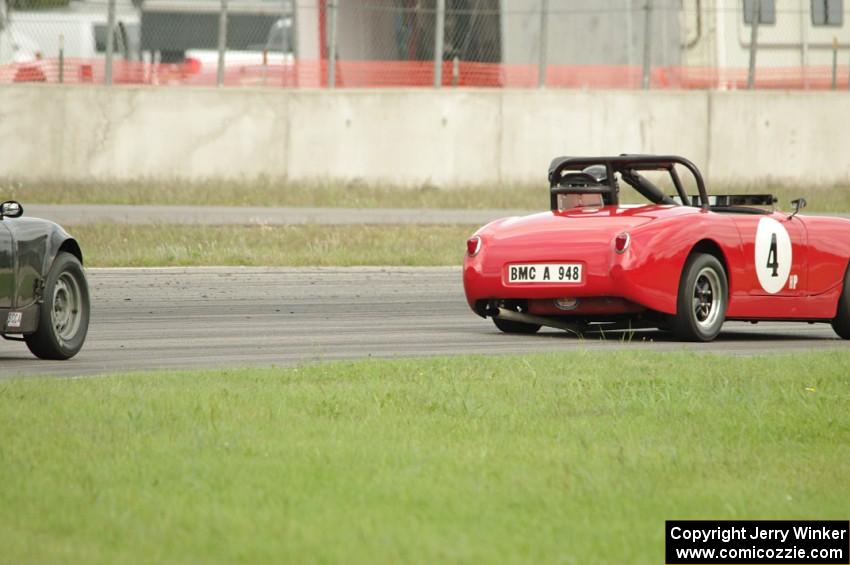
357,194
569,458
122,245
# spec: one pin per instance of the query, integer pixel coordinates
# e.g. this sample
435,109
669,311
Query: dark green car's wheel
64,317
841,322
702,300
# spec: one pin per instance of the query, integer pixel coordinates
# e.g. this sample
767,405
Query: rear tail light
621,242
473,245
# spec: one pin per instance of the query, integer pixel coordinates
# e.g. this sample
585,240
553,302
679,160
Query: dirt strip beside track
222,317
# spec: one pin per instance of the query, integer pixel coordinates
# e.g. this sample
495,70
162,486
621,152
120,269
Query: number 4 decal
773,256
772,259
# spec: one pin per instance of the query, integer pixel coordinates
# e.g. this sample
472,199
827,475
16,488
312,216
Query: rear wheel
702,299
64,316
841,322
512,327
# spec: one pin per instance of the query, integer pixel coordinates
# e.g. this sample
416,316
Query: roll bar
626,162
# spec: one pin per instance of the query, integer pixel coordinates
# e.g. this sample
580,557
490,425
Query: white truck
81,30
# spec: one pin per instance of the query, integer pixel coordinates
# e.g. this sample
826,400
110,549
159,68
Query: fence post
222,43
61,57
296,49
110,40
647,43
834,63
3,15
544,50
294,30
754,39
455,71
439,31
332,14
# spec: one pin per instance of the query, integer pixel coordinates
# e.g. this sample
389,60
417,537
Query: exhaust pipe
575,328
524,318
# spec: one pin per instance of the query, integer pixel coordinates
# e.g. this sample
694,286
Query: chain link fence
722,44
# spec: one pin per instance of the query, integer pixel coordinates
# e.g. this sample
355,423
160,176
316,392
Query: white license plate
559,273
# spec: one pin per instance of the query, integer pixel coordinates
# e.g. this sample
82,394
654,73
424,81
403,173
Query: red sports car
683,263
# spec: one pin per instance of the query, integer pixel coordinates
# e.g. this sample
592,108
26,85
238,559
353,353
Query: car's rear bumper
611,284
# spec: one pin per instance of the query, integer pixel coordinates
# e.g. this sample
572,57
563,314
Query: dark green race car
44,297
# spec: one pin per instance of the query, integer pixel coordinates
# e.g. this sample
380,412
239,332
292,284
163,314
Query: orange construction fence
380,74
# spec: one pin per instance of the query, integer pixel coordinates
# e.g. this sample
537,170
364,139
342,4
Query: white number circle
773,255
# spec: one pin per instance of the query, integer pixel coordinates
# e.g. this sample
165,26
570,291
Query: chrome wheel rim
66,314
707,298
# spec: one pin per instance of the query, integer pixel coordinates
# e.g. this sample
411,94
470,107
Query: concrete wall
451,137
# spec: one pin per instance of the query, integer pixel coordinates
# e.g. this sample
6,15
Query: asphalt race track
146,319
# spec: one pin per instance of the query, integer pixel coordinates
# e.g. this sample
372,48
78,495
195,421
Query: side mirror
11,209
798,204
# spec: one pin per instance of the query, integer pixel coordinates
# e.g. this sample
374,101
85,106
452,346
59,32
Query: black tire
64,316
841,322
511,327
702,299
